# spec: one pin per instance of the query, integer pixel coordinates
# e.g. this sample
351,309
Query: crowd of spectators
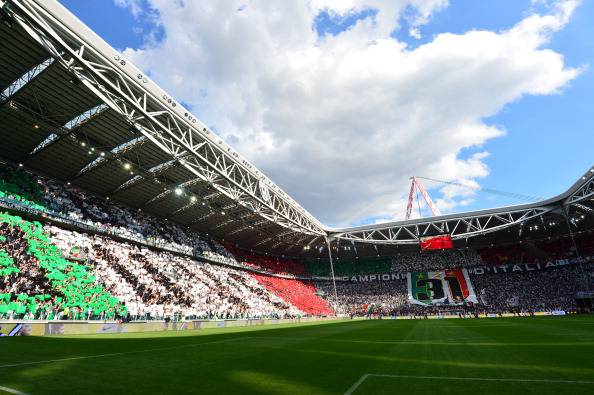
37,282
158,284
14,259
269,264
401,263
539,251
552,289
18,186
354,296
435,260
57,198
525,292
349,267
497,292
299,293
105,278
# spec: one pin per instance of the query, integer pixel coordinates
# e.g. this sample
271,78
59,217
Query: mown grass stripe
362,379
120,353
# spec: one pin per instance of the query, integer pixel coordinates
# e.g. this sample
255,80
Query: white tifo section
207,289
362,379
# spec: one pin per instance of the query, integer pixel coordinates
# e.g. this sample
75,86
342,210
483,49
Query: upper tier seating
45,194
348,268
269,264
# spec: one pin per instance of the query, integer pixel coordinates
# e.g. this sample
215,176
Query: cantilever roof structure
464,225
75,109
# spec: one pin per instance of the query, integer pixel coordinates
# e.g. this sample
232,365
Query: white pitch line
357,384
12,391
398,376
120,353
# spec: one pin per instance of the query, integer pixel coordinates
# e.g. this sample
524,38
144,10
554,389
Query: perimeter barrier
52,328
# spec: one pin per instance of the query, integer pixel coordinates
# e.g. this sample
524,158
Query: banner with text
450,287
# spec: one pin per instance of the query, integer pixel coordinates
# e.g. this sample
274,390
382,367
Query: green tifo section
349,268
17,185
319,359
72,285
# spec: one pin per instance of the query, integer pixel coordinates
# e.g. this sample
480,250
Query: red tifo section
301,294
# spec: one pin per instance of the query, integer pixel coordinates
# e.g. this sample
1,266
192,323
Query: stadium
140,253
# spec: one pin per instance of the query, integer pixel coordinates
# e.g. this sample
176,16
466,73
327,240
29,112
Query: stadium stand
157,284
113,261
519,282
432,260
276,265
435,260
36,281
122,212
353,297
100,214
526,292
17,185
299,293
302,294
138,276
554,289
537,251
344,267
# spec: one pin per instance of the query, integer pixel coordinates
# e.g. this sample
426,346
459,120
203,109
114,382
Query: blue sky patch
330,23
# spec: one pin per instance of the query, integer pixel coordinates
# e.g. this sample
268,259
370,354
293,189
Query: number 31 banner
451,287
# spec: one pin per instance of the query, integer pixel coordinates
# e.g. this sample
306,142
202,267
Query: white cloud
135,6
341,122
416,12
414,32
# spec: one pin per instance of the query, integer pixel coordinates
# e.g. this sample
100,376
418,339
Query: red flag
441,242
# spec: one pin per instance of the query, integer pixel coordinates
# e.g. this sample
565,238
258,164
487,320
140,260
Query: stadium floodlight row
75,109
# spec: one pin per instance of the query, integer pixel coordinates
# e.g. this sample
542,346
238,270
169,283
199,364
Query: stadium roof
75,109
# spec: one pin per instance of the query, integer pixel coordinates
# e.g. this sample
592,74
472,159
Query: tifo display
140,253
104,263
452,287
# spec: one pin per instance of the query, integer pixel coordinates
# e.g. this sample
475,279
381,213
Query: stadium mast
518,196
416,185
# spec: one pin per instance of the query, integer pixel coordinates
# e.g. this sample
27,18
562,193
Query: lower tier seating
300,294
36,281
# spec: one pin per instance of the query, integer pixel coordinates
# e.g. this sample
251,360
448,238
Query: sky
339,102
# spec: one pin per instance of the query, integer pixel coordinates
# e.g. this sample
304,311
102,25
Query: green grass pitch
538,355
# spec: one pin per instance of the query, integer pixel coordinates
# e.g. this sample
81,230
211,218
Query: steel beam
461,227
156,115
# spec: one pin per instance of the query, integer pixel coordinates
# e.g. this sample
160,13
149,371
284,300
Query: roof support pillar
328,241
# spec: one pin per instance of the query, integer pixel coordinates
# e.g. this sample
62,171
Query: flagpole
333,278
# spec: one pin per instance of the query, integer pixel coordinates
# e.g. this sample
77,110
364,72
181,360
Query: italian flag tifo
451,287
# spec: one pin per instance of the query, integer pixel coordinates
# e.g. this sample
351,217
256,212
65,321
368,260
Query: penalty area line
358,383
117,354
12,391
